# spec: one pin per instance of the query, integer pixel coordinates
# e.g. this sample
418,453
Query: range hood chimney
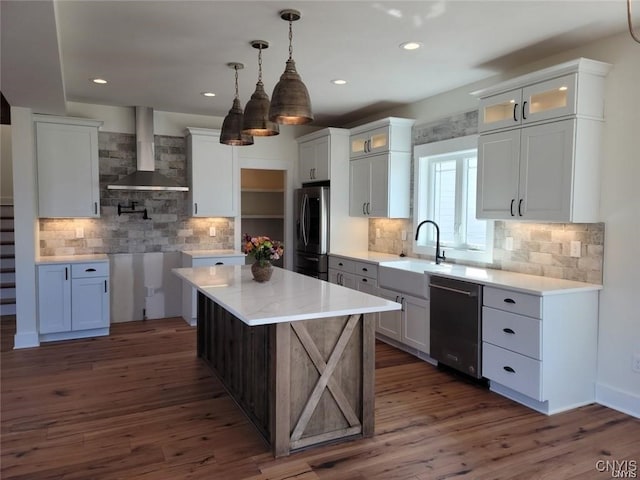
145,177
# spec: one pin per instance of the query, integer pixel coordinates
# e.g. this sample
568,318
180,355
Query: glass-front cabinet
373,141
541,101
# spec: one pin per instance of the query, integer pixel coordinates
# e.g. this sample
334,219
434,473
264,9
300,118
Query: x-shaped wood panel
326,379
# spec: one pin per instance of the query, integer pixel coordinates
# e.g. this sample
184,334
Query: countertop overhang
287,297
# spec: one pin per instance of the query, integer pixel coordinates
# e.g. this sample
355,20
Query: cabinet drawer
366,283
515,371
514,332
83,270
212,261
348,266
522,303
366,269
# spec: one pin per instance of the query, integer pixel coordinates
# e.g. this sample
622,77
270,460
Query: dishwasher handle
454,290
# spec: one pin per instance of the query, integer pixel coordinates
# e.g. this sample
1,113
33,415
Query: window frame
422,199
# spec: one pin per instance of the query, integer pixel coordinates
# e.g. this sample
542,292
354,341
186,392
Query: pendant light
256,113
290,103
231,133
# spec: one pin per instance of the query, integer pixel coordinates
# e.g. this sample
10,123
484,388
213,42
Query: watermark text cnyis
618,468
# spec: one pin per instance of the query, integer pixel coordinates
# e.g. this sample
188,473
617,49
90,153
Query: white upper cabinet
572,88
379,173
539,158
388,135
212,174
314,157
379,185
67,166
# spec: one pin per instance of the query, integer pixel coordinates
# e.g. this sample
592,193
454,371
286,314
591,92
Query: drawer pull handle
340,264
509,369
509,331
90,270
66,273
364,269
510,300
219,263
364,280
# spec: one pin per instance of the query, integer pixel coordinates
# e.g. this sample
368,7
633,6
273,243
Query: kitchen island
295,353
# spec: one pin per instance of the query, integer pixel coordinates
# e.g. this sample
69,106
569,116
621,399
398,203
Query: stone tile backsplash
169,228
538,248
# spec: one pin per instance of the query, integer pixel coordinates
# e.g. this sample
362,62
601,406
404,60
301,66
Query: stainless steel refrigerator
311,207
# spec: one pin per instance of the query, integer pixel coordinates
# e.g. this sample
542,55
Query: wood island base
301,383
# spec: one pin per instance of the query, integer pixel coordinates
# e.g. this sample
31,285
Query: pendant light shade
256,113
290,102
231,133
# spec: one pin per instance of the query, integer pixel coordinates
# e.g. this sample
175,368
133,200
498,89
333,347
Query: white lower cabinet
199,259
541,350
410,325
73,300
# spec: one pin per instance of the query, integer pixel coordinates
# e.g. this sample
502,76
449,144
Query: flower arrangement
263,249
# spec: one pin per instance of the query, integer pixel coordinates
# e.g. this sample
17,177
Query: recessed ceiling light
208,94
100,81
410,45
339,81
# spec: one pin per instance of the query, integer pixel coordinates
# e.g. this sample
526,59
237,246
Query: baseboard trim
54,337
25,340
620,400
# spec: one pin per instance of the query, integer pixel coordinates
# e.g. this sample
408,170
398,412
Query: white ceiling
163,54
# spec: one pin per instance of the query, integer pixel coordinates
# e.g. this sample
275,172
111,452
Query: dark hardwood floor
138,404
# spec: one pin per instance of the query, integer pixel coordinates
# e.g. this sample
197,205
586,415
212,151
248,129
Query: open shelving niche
262,204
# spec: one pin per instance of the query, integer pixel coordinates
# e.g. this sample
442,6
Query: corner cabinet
212,174
73,300
539,151
67,167
379,173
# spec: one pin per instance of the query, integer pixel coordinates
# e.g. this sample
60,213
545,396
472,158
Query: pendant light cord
235,67
633,34
260,63
290,38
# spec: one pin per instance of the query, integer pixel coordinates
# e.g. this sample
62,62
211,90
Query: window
445,192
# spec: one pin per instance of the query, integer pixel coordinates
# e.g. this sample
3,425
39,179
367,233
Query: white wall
618,386
6,168
25,229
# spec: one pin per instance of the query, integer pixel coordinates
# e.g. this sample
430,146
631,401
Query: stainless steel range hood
146,178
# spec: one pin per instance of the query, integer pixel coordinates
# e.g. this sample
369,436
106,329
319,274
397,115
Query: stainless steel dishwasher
456,324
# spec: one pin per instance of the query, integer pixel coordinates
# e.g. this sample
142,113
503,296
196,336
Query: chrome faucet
439,258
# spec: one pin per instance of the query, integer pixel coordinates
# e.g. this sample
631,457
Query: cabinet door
307,161
359,187
321,155
379,206
546,166
500,111
370,142
54,298
67,158
498,170
415,319
389,324
90,303
551,99
213,176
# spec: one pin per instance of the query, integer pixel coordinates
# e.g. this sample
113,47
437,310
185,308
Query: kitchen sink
408,275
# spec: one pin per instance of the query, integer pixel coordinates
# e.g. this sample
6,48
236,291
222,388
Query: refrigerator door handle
306,219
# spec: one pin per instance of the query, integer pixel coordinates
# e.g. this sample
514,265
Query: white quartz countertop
50,260
213,253
532,284
287,297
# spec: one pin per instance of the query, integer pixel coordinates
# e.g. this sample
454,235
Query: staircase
7,262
